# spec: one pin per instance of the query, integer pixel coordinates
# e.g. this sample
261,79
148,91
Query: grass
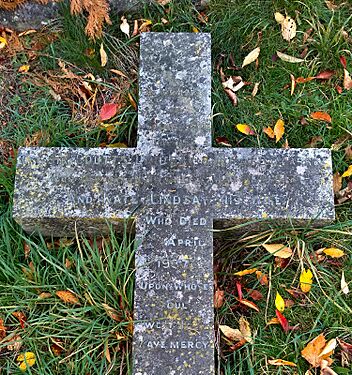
82,338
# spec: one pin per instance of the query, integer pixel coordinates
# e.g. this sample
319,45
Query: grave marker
176,185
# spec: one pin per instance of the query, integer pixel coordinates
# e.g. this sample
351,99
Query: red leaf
326,74
239,290
107,111
223,141
283,321
257,296
343,61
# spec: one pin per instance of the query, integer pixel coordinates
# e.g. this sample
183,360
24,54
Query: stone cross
176,186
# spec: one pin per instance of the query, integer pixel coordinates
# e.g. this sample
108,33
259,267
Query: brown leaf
326,74
311,352
281,362
15,343
249,304
26,249
315,141
223,141
348,152
262,278
67,297
232,96
3,329
112,313
337,182
321,116
307,34
304,80
245,329
343,61
219,297
231,333
20,316
347,80
255,294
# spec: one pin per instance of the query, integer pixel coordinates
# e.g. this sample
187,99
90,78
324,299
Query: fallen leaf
306,280
279,302
27,32
124,26
219,297
282,320
254,294
326,74
331,5
288,28
333,252
44,295
67,296
329,348
232,96
135,28
21,317
112,313
288,58
311,352
3,329
255,89
304,80
118,72
279,129
23,68
163,2
279,18
103,56
231,333
245,329
262,278
343,61
249,304
3,42
344,285
273,321
321,116
348,152
15,343
307,34
337,182
348,172
281,362
251,57
223,141
347,80
245,129
279,250
132,101
269,132
107,111
26,359
246,272
145,26
345,346
293,84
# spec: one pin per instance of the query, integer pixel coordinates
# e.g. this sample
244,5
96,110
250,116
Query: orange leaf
107,111
273,321
246,272
281,362
67,296
262,278
311,352
250,304
219,297
269,132
245,129
321,116
20,316
304,80
279,129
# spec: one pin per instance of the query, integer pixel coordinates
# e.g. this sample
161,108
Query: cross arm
61,190
293,185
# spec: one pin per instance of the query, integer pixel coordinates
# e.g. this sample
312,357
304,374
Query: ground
87,329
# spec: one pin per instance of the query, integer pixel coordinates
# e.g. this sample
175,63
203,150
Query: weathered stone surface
33,16
175,185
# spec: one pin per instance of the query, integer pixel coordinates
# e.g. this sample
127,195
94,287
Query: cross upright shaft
176,185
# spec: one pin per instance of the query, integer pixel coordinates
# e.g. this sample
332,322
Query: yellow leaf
279,18
231,333
23,68
3,42
246,272
288,28
251,57
306,280
26,359
333,252
245,129
269,132
249,304
103,56
245,329
288,58
117,145
348,173
279,250
279,129
195,30
67,296
279,302
344,285
281,362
